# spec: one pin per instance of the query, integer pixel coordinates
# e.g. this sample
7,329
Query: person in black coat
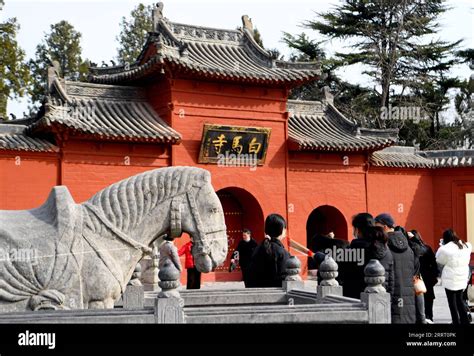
243,253
428,270
379,250
351,273
405,268
268,264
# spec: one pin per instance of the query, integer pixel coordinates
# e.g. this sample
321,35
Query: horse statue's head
199,213
169,200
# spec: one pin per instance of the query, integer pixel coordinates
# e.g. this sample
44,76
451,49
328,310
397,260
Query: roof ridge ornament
54,72
327,95
54,81
247,23
157,14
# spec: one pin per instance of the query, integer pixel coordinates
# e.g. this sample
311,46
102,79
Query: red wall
26,178
449,206
407,194
88,166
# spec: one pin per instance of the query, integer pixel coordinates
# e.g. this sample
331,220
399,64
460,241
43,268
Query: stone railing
374,296
290,304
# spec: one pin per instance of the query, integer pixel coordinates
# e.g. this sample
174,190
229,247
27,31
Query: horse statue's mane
124,203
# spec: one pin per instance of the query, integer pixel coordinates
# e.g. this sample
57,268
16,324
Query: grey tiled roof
320,126
13,137
400,157
207,52
408,157
104,111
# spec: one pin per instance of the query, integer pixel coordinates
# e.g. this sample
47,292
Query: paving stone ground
440,308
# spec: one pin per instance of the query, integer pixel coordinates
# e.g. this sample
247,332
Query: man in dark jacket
405,268
243,253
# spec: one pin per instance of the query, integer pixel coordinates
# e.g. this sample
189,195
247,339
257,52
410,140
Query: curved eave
296,145
157,65
45,123
122,138
408,165
26,144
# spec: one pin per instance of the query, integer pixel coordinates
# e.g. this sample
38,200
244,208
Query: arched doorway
323,220
241,210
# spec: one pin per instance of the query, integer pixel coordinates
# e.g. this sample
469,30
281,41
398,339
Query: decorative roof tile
315,125
13,137
104,111
408,157
450,158
207,52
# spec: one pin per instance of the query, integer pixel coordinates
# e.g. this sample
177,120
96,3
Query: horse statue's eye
214,210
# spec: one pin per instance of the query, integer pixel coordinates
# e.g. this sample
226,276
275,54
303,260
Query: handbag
419,285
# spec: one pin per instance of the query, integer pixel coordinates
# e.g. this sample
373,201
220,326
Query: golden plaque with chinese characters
226,144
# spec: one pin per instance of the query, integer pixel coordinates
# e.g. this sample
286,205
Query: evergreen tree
464,101
389,37
14,72
133,33
61,44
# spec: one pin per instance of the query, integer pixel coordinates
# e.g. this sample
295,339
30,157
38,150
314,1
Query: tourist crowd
412,269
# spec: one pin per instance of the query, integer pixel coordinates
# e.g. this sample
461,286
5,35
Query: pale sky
98,21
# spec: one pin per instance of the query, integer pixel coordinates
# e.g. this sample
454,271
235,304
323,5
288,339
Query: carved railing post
375,295
134,295
169,304
329,285
292,279
155,258
150,274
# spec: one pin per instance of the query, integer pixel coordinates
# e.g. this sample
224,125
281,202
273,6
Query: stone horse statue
86,253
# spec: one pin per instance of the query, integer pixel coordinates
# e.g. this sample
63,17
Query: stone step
212,310
230,291
87,316
251,296
304,296
315,313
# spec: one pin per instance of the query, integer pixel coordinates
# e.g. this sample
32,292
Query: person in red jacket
194,276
